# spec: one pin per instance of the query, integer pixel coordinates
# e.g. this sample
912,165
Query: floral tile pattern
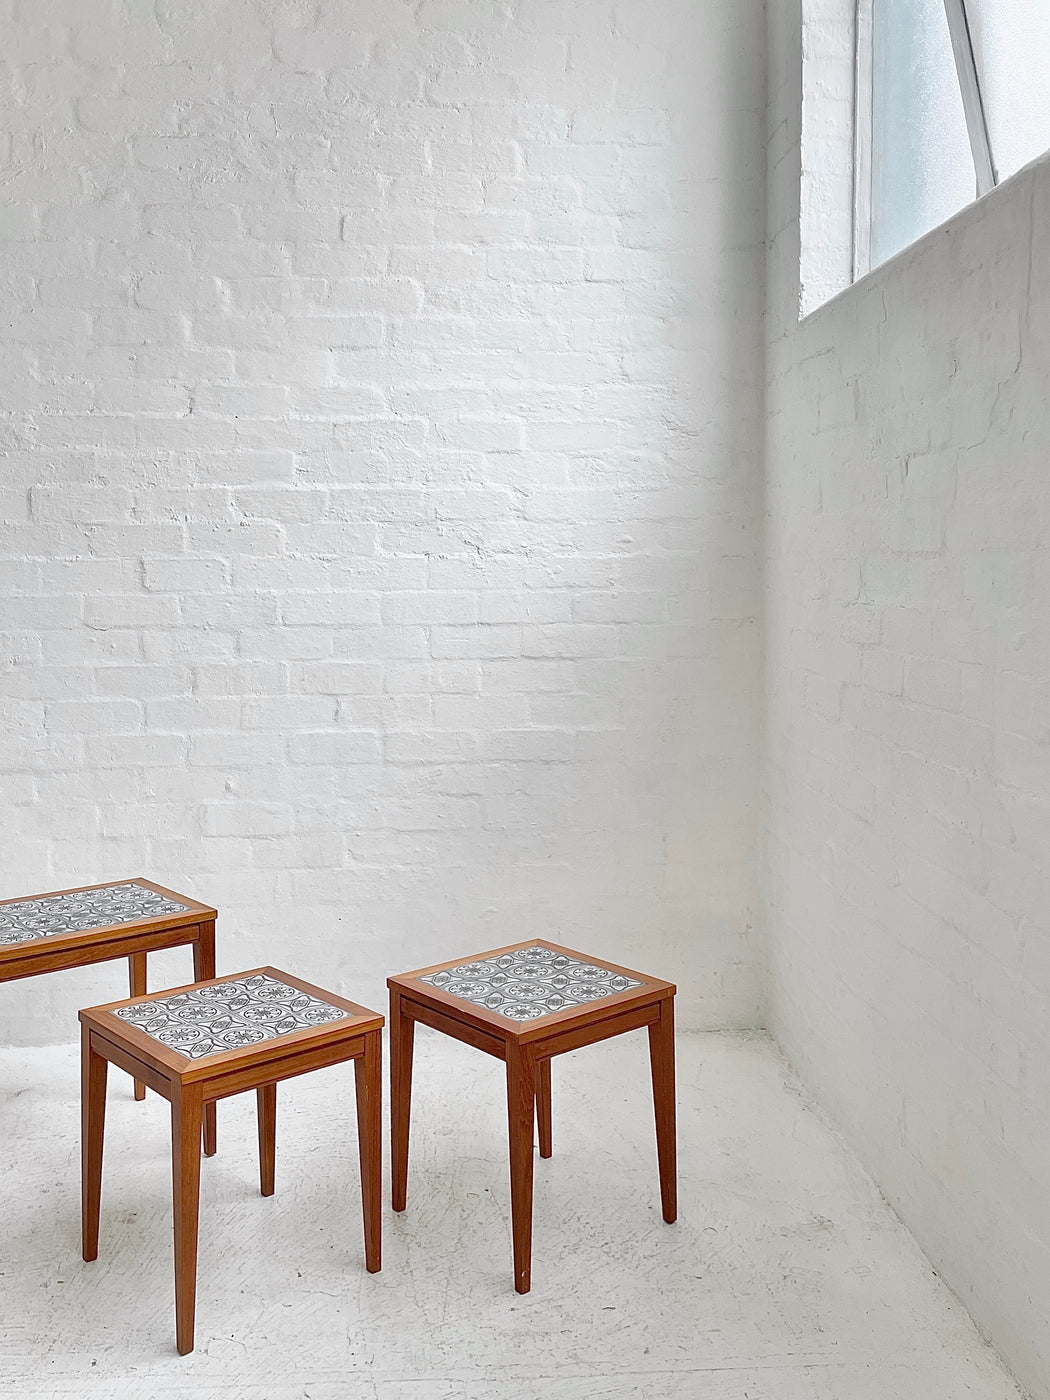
243,1011
529,982
82,910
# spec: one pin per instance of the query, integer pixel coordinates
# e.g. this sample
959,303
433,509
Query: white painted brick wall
382,428
908,656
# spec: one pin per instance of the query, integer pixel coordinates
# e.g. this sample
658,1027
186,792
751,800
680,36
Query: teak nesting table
203,1042
95,923
195,1044
524,1004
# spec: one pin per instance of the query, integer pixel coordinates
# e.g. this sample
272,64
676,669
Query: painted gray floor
786,1277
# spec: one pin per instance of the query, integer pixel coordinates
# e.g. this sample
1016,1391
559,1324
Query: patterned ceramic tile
529,982
243,1011
82,910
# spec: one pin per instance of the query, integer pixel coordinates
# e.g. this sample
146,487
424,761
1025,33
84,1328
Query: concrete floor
785,1278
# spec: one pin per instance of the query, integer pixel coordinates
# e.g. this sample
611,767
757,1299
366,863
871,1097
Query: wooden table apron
589,1027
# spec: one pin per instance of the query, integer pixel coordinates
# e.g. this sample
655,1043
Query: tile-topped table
95,923
203,1042
524,1004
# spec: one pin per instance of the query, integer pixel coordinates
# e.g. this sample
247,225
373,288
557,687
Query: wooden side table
524,1004
203,1042
96,923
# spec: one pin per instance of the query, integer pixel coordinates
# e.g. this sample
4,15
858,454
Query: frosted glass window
922,168
951,96
1011,48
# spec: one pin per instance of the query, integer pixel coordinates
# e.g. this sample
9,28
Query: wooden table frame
195,925
527,1049
192,1086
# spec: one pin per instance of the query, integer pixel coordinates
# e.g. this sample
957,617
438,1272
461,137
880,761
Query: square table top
225,1015
94,908
525,983
228,1019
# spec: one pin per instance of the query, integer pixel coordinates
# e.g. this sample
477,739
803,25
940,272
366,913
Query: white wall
382,408
908,655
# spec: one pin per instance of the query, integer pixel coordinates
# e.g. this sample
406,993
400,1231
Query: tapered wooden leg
368,1075
543,1105
402,1036
93,1071
267,1099
137,983
521,1100
203,968
661,1056
186,1119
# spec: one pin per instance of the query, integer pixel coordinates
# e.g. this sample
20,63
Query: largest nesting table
96,923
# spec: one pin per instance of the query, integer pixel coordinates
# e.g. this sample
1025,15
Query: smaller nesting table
524,1004
203,1042
95,923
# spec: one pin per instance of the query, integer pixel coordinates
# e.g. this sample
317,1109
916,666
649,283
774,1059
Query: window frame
973,109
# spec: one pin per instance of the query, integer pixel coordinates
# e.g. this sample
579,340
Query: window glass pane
921,166
1011,43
